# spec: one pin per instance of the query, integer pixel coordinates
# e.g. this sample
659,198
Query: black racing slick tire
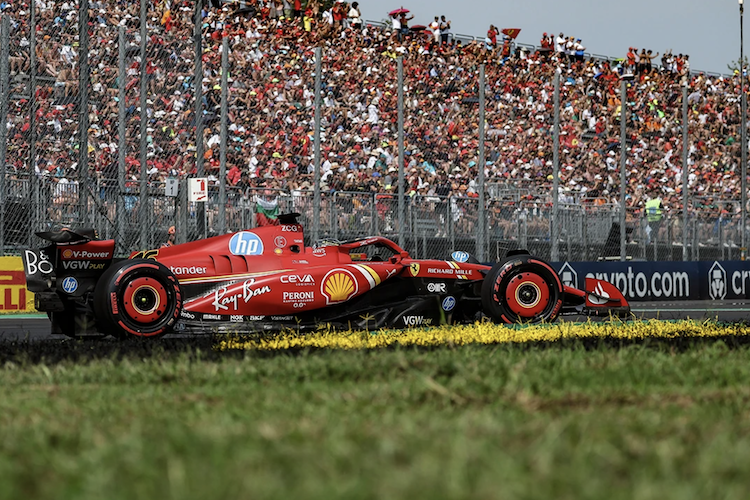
522,289
137,298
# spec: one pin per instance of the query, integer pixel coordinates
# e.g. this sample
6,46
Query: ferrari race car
266,279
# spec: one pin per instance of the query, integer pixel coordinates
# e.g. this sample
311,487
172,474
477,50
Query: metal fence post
333,226
623,163
182,220
481,225
584,237
451,228
4,97
223,135
198,84
685,138
122,144
743,170
83,113
696,246
316,139
555,255
143,198
401,193
34,179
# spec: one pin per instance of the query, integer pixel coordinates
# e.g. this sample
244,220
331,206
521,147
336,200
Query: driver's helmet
326,242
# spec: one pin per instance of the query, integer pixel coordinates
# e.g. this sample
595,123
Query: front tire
522,289
137,298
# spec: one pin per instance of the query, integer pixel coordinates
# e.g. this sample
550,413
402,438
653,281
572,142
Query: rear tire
137,298
522,289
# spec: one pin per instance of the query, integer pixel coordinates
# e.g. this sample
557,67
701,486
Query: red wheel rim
145,300
527,295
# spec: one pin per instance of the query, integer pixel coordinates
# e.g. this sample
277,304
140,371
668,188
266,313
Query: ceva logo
246,243
299,280
717,282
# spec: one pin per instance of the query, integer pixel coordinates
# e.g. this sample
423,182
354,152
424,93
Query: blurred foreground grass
580,417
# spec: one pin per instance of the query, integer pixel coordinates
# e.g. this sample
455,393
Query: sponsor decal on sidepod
188,270
246,243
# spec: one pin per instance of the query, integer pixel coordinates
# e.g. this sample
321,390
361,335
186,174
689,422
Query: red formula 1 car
267,279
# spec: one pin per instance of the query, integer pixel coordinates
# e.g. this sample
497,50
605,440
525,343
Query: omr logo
717,282
568,275
246,243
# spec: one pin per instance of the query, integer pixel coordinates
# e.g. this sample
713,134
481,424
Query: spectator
546,42
654,215
435,27
355,16
579,51
445,30
403,23
171,237
490,42
646,61
560,42
339,13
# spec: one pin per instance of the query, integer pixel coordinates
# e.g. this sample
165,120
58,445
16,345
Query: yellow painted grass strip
484,333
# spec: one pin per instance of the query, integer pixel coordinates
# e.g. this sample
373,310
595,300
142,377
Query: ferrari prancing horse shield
414,268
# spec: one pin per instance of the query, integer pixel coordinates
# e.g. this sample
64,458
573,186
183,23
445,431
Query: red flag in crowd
570,141
512,32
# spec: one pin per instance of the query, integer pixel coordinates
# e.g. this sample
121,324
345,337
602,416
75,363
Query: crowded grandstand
271,99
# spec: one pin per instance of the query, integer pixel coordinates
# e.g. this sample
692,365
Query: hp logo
70,284
460,256
449,303
246,243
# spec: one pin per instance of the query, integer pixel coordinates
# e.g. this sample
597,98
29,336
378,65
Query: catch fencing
435,225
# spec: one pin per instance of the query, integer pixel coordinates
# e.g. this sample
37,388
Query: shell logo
67,253
339,285
414,268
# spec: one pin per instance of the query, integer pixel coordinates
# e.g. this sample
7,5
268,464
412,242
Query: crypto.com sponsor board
659,281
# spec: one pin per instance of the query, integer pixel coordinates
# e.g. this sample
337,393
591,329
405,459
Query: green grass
565,420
